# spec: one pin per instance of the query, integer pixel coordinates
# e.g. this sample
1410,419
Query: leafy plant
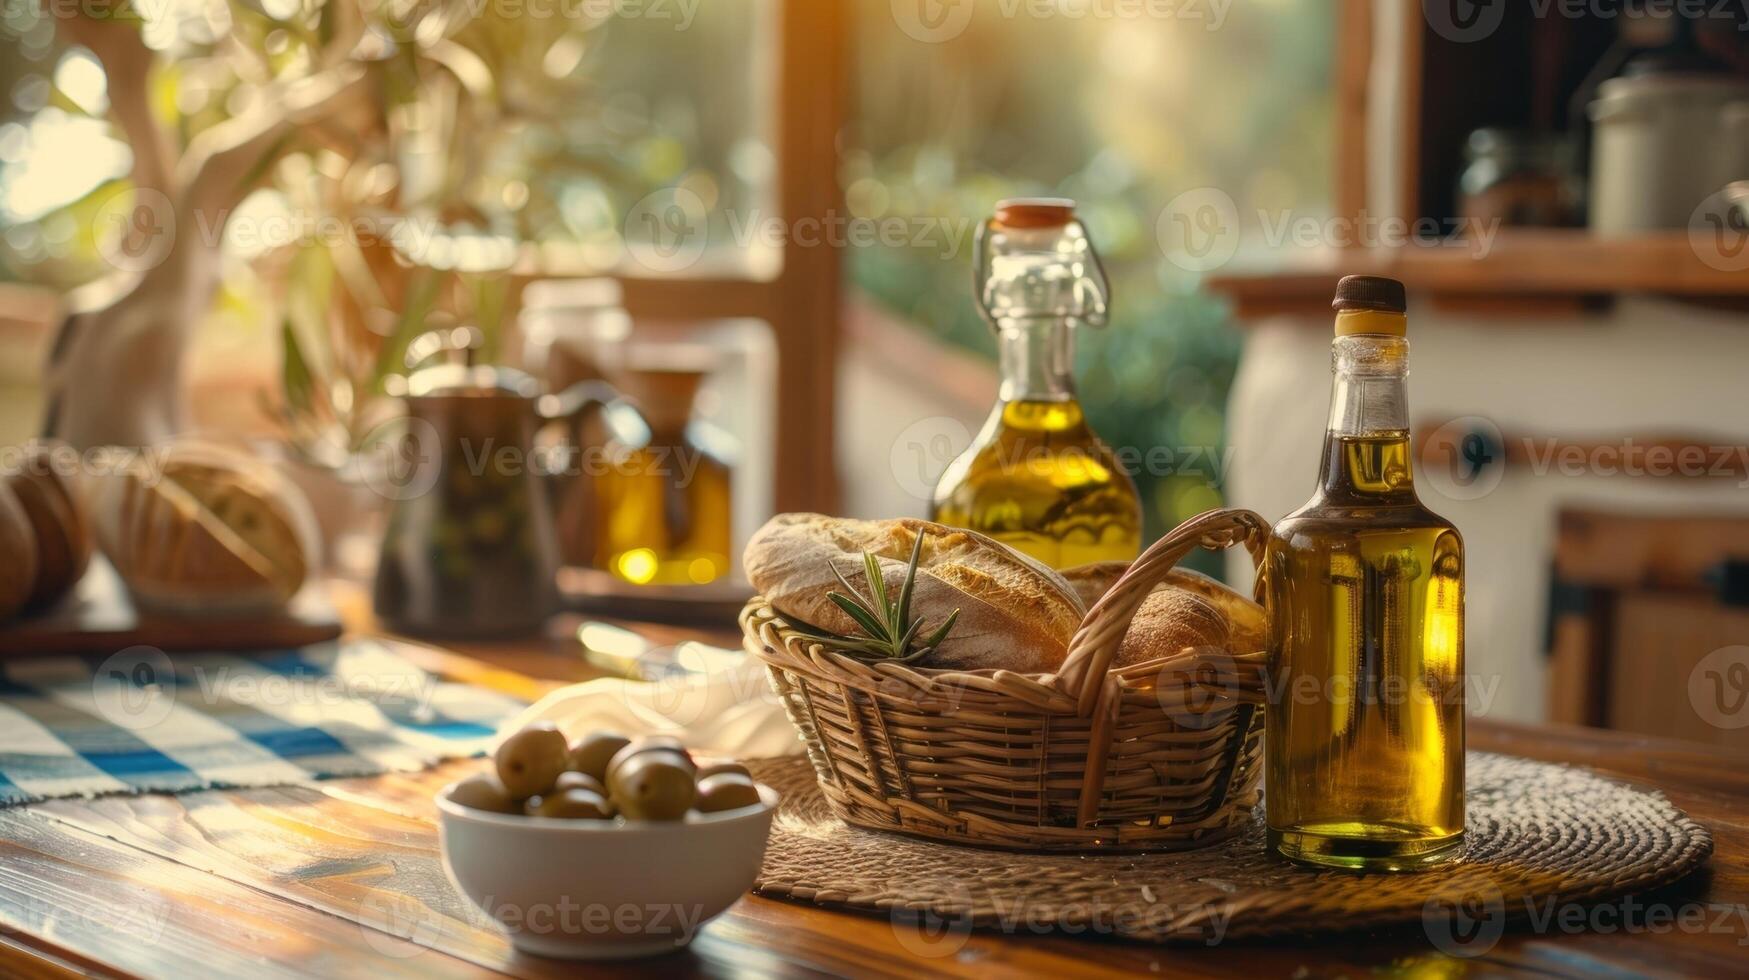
390,166
890,631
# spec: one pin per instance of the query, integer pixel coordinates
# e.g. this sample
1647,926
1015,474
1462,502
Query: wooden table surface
345,880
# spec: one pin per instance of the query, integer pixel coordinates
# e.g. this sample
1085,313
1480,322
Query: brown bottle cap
1035,212
1370,293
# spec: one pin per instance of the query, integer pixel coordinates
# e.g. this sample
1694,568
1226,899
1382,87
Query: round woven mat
1537,833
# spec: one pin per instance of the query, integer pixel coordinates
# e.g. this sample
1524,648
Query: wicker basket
1157,756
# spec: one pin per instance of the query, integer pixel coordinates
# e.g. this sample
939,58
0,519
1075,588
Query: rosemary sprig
890,632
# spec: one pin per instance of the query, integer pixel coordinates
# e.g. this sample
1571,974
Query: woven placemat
1539,836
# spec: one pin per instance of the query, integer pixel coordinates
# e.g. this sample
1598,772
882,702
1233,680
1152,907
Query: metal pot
1663,144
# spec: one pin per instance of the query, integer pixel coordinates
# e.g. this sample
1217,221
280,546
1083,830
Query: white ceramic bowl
589,889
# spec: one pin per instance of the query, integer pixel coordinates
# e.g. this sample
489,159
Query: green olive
529,761
706,772
654,785
579,780
591,753
726,791
484,792
575,804
652,743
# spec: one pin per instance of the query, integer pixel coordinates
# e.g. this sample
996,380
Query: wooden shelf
1523,270
1408,97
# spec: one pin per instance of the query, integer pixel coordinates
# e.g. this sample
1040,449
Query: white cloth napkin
727,710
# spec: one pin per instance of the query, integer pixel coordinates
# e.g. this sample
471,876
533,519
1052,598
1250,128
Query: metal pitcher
470,550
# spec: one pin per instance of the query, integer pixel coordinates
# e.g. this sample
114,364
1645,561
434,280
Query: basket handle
1096,643
1086,672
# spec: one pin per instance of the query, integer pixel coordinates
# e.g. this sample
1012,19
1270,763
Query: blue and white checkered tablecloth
141,721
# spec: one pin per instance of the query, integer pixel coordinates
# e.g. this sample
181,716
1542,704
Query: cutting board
100,617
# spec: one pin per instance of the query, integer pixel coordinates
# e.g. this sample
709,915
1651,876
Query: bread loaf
215,531
1248,624
1170,621
1188,609
1094,580
17,555
57,519
1015,613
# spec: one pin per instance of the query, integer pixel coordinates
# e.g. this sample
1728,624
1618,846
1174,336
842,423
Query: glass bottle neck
1370,396
1366,455
1037,357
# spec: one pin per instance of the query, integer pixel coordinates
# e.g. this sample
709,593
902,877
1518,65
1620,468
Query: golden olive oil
656,527
1036,477
1364,586
664,503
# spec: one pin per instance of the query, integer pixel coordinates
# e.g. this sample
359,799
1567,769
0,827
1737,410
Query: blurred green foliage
543,122
495,134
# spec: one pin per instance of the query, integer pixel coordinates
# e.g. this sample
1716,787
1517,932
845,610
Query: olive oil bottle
664,500
1036,477
1365,590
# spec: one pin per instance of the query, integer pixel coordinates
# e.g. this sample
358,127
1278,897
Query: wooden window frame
803,302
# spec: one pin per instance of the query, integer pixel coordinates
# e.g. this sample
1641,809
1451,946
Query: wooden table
328,881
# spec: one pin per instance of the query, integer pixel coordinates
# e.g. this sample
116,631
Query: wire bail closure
1092,289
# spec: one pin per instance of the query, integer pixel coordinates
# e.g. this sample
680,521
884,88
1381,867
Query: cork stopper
1035,212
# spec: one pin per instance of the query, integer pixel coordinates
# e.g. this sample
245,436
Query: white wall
1647,368
907,406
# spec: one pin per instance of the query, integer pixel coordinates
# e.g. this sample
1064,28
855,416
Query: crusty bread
18,544
1170,621
1188,609
1094,580
58,522
215,531
1248,624
1015,613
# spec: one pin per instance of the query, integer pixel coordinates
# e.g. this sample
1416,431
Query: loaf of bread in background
1015,613
1170,621
41,476
1186,610
1248,623
1094,580
216,531
18,546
